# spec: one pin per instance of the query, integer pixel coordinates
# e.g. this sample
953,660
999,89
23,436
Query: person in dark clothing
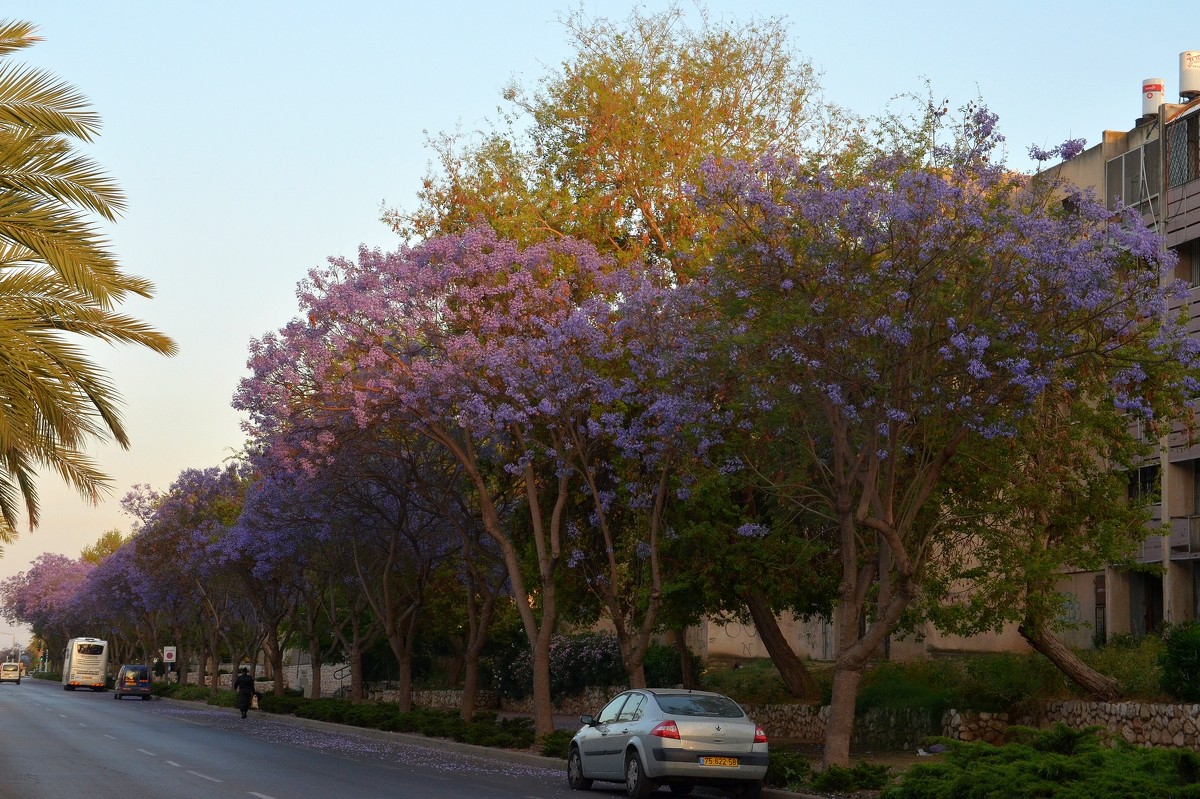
244,685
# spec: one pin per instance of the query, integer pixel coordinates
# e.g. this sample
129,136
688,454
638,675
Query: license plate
719,761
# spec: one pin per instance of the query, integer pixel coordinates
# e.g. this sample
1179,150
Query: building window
1134,178
1188,266
1143,483
1183,150
1196,490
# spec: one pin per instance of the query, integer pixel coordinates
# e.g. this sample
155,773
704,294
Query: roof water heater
1189,74
1154,92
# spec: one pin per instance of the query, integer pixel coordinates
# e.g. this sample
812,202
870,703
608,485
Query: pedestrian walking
244,685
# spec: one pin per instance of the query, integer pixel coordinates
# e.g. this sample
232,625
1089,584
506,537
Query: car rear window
704,706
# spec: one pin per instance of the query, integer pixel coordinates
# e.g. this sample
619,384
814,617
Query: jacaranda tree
509,359
885,316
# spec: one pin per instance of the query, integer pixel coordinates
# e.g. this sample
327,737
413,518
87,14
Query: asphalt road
56,744
59,743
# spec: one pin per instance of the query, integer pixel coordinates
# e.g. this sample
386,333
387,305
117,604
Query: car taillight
760,735
666,729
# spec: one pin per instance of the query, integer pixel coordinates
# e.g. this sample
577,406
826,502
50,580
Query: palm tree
58,281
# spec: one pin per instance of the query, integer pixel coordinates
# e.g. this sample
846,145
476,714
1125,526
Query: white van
10,672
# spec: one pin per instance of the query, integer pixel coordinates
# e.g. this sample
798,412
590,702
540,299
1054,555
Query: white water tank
1189,74
1154,94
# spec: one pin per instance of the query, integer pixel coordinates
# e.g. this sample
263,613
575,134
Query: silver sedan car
651,737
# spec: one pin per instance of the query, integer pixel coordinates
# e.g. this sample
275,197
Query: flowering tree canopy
886,315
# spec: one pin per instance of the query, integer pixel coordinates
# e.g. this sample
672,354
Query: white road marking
261,795
144,752
172,763
204,776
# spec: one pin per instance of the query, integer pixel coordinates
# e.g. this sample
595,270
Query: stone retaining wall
1139,723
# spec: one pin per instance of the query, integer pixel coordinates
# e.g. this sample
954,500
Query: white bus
85,664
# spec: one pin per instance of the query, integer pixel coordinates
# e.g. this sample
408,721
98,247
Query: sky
255,139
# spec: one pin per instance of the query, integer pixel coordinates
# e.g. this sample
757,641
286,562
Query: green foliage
581,661
749,681
1132,661
1180,662
663,667
788,769
222,698
556,744
285,705
1058,763
861,777
187,693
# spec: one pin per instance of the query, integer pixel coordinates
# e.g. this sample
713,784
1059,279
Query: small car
133,679
680,738
10,672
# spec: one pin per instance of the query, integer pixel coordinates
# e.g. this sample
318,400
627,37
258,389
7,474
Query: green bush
1179,663
788,770
862,777
556,744
1058,764
186,693
662,666
747,681
370,714
576,662
1133,661
285,705
325,709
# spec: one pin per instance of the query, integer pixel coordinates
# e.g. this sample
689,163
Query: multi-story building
1155,168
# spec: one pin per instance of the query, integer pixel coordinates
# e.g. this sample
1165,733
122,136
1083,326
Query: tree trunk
470,693
840,727
543,702
797,679
275,659
314,656
1098,685
687,665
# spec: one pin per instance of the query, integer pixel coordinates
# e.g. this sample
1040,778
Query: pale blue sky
255,139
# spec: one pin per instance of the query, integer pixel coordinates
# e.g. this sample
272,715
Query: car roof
680,692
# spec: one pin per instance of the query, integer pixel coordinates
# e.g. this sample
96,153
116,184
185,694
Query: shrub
576,662
787,770
1133,661
284,705
556,744
663,667
1180,662
862,777
187,693
748,681
370,714
324,709
223,699
1056,763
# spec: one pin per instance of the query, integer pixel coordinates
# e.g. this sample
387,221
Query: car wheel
116,696
144,698
752,790
637,784
681,789
575,777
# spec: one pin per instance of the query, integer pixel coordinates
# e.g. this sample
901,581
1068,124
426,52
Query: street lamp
16,651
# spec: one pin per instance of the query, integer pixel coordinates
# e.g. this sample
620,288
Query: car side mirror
586,720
